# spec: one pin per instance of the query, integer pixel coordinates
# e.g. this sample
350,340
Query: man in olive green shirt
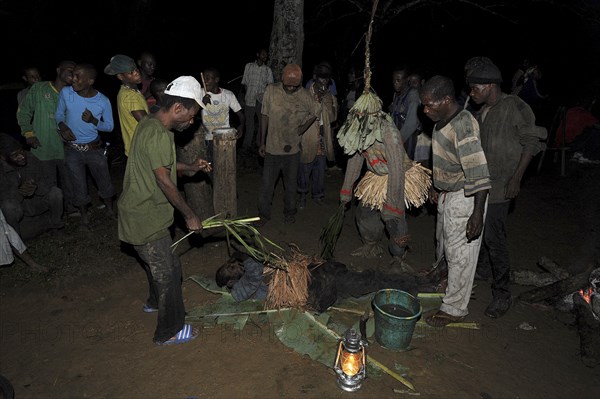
146,205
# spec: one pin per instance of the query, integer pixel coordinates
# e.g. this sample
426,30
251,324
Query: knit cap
484,74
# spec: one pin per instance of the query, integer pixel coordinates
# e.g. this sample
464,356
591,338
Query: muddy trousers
165,286
494,250
372,228
454,210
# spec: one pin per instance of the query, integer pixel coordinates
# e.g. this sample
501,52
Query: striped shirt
256,78
458,159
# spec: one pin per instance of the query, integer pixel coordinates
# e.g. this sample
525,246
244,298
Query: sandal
149,309
186,334
442,319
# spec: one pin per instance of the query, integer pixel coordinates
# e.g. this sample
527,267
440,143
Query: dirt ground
79,331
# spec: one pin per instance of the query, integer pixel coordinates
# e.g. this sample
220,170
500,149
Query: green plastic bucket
396,314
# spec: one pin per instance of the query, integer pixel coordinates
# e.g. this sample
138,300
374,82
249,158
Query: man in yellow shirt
131,104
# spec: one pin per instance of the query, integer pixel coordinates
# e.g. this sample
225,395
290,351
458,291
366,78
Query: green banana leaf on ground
315,335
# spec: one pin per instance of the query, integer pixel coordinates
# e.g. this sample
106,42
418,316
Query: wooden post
224,172
197,186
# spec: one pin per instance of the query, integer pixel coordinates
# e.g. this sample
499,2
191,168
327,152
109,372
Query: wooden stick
553,268
203,83
469,325
391,373
561,287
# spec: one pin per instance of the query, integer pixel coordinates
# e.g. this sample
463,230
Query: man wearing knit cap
288,110
510,139
463,98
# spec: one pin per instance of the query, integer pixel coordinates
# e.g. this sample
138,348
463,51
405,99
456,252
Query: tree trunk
287,35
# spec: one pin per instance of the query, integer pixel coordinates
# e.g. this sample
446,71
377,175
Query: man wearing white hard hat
146,205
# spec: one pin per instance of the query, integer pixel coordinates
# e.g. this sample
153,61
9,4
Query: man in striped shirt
257,75
461,183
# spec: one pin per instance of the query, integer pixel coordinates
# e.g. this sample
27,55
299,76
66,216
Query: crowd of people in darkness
477,136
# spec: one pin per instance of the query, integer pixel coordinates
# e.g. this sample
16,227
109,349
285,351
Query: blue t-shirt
70,108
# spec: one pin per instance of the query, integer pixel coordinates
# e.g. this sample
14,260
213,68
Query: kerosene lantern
351,361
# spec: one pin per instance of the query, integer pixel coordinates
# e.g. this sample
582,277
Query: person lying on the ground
245,279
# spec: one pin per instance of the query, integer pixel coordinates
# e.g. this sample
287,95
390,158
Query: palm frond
257,245
331,232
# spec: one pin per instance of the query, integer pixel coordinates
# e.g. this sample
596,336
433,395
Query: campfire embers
593,299
586,305
579,294
588,327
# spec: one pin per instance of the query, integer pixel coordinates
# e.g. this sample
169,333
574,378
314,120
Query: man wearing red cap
288,110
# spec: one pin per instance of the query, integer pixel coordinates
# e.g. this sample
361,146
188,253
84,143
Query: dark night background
436,38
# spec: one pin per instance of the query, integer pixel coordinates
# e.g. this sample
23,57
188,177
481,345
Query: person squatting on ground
461,182
385,158
510,139
316,144
146,205
36,118
24,191
131,104
81,114
288,110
